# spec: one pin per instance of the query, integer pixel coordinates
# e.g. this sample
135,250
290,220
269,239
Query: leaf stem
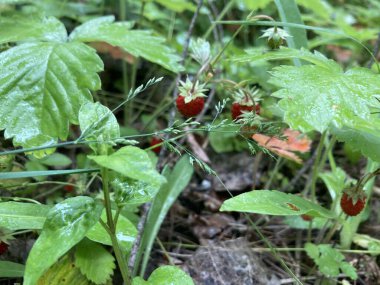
112,230
316,166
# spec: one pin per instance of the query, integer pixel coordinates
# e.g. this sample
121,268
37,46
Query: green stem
316,166
112,230
274,173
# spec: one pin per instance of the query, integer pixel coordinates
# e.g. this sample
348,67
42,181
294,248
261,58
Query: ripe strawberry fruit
154,141
3,247
191,109
353,201
68,188
238,109
190,101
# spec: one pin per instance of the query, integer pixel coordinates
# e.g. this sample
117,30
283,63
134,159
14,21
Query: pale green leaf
98,123
125,232
320,7
133,192
132,162
64,272
165,275
90,257
66,224
11,269
363,135
177,179
257,4
136,42
335,181
329,260
272,202
56,159
25,27
42,86
22,216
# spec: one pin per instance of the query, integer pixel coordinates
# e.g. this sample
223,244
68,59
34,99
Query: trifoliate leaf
42,86
22,27
314,97
90,257
136,42
330,261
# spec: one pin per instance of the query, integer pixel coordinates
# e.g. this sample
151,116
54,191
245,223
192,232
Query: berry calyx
3,247
190,101
353,201
238,109
155,141
275,36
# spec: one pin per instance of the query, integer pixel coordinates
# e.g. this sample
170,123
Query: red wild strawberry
154,141
68,188
190,101
3,247
238,109
353,201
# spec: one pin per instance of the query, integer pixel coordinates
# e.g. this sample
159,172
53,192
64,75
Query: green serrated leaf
42,86
132,162
66,224
11,269
136,42
25,27
272,202
315,97
165,275
330,261
98,123
363,135
22,216
90,257
63,272
125,232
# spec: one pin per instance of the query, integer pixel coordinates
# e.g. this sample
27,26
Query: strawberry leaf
271,202
136,42
66,224
132,162
18,26
42,86
89,257
362,135
318,96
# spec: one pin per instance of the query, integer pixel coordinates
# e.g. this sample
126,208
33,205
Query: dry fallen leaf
115,52
294,142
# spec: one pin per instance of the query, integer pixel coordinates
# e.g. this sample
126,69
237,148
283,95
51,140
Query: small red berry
3,247
238,109
306,218
192,108
154,141
68,188
352,203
